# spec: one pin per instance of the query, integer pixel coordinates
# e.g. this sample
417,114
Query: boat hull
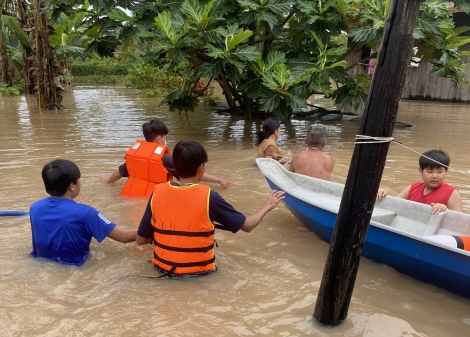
429,263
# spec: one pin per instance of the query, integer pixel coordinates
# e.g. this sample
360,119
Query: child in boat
155,133
180,217
433,190
313,162
62,228
267,136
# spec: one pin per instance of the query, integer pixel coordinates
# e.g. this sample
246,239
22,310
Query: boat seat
332,203
383,216
434,224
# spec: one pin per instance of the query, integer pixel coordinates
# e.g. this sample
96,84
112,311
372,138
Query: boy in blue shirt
61,228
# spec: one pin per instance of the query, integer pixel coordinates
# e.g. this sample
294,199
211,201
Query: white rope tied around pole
376,140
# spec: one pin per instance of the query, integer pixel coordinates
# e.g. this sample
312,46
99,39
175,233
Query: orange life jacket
145,167
183,232
466,242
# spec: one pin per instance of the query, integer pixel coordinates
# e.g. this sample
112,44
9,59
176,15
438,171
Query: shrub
155,81
105,67
8,91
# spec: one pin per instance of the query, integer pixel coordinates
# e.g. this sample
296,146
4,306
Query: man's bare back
313,162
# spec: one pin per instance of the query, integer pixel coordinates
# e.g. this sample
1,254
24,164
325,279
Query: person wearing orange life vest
152,162
180,216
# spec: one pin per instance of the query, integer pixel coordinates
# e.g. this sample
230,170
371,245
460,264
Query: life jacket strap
183,233
185,250
168,273
184,264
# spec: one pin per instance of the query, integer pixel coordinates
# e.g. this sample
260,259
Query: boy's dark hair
154,128
438,155
316,135
268,127
188,155
58,175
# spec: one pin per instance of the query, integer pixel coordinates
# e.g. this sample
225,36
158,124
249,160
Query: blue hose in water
13,213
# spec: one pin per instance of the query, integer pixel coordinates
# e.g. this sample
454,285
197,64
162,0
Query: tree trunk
25,21
48,92
5,75
64,69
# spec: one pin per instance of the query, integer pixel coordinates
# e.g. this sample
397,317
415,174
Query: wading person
62,228
313,162
267,137
149,163
180,217
432,190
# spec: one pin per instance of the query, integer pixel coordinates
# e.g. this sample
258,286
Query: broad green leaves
232,40
201,16
118,15
163,22
438,41
10,22
269,55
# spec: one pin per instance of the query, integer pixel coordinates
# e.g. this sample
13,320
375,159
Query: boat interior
407,216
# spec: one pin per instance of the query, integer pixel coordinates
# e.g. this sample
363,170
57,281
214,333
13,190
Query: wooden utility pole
367,164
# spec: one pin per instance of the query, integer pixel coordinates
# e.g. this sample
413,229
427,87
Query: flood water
267,281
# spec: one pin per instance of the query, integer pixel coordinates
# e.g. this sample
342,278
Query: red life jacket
183,232
439,195
145,167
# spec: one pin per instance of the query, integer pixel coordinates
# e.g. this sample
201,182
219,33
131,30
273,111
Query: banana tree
67,41
5,66
27,39
39,61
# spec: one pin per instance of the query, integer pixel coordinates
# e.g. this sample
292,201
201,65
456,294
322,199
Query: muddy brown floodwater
267,281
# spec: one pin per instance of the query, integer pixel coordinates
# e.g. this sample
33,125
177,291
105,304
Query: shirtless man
313,162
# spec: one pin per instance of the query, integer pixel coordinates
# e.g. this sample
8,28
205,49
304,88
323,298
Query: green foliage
462,4
145,76
152,80
158,81
105,67
269,55
438,41
8,91
11,23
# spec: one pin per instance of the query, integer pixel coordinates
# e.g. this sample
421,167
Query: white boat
400,232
